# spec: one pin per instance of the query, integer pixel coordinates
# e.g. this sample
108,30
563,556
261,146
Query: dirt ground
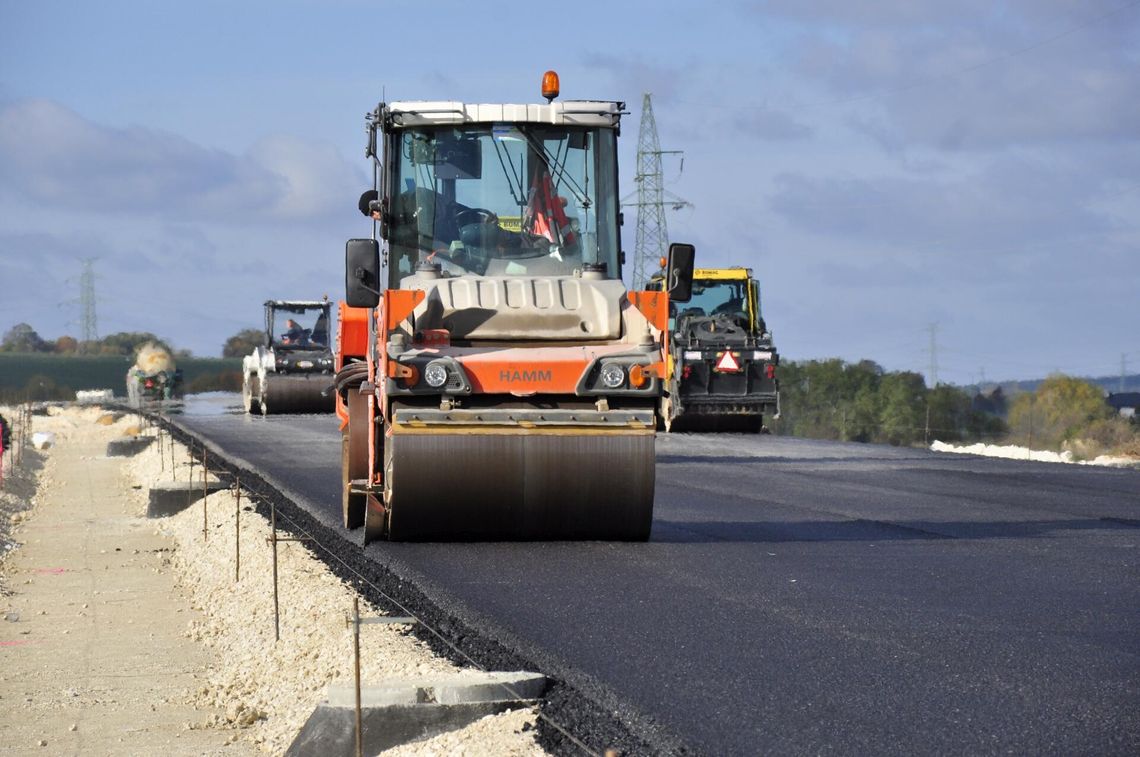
126,635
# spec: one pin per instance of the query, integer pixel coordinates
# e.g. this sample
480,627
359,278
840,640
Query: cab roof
562,113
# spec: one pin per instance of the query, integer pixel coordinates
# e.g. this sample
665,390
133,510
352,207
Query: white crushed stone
1015,452
473,740
18,492
266,689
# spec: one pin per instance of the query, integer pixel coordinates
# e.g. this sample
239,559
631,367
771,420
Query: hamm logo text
510,377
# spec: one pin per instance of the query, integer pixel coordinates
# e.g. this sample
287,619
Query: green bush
1062,409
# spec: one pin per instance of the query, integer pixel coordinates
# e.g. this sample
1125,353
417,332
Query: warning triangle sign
727,363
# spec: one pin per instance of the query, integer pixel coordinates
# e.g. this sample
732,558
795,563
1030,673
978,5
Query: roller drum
354,457
297,394
480,486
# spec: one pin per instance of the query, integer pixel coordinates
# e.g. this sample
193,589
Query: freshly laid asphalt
801,597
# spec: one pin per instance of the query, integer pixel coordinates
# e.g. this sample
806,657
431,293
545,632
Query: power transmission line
652,229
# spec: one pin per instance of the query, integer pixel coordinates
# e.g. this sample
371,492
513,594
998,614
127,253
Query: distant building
1125,403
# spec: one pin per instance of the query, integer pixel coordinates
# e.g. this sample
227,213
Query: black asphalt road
804,597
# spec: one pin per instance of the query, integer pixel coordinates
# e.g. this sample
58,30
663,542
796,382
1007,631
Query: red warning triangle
727,363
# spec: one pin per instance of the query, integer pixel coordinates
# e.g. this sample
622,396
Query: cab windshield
712,297
503,200
300,328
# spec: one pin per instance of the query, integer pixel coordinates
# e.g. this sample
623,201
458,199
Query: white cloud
57,158
972,76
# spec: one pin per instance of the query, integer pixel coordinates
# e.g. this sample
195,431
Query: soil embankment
125,635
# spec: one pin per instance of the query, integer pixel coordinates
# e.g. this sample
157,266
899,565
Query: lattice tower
652,229
87,301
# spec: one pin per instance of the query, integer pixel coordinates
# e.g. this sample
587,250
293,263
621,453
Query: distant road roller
509,383
292,371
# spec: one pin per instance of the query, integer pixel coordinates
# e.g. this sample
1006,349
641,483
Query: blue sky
973,165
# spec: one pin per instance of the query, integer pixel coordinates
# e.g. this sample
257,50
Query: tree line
22,338
862,402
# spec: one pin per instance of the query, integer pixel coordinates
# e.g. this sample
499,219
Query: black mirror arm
361,275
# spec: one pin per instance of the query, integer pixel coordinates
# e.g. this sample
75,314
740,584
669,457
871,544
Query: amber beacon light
550,85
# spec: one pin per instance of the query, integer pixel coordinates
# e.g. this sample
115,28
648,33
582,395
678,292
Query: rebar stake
273,540
237,529
355,621
276,615
356,667
205,497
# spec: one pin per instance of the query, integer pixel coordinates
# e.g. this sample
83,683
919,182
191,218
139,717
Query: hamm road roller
292,372
509,385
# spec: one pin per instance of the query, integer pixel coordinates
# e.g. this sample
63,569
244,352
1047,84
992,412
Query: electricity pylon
87,301
652,229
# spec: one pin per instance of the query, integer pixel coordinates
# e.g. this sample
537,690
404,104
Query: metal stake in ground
355,621
356,667
237,529
273,540
205,497
19,435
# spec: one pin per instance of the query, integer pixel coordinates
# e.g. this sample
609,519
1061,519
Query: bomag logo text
511,377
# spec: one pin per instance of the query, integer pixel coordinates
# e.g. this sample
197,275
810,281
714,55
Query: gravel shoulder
128,635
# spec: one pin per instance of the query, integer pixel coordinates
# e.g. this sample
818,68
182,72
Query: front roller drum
297,394
518,485
251,392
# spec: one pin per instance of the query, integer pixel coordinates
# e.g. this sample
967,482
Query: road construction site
794,596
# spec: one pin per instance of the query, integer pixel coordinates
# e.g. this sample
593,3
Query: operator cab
497,190
297,325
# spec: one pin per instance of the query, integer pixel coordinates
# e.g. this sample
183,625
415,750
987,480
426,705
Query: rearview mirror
679,272
362,273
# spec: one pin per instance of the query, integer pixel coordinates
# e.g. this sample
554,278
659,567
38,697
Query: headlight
613,375
435,374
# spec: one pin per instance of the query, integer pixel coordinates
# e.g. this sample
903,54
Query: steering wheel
475,215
